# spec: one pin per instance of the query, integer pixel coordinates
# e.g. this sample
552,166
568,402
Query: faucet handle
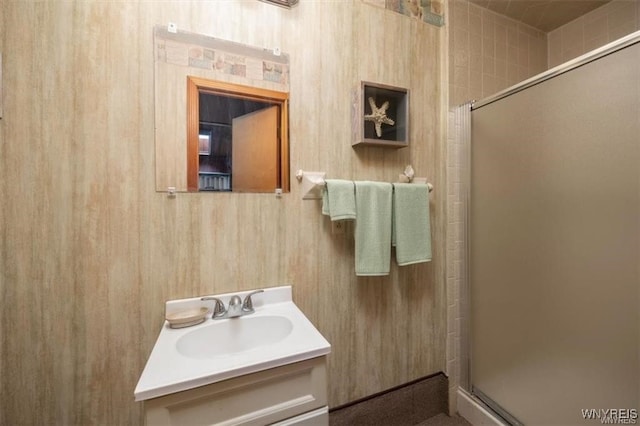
219,309
247,305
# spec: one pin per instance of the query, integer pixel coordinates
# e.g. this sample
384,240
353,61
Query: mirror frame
196,85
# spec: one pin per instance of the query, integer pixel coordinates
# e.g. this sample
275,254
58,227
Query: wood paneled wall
90,251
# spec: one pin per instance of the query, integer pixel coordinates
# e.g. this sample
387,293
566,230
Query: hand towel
373,228
339,200
411,223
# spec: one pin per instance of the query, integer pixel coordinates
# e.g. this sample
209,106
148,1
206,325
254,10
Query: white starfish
378,115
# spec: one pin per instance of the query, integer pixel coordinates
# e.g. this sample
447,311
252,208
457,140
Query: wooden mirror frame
196,85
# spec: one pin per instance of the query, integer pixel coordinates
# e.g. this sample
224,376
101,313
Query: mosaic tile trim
221,56
428,11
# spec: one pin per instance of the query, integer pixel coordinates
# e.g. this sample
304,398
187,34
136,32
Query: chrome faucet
237,307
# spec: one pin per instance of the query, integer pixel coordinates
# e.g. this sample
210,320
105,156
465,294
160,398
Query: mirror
237,137
216,102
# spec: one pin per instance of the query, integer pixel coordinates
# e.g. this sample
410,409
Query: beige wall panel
171,126
90,251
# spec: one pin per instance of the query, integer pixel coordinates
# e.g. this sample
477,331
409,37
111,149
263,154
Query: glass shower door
554,246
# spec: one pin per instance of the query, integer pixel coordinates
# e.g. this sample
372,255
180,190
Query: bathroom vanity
294,394
265,368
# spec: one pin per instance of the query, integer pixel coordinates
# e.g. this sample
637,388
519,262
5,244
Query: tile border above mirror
247,64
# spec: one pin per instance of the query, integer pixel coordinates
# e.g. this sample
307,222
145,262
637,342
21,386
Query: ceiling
546,15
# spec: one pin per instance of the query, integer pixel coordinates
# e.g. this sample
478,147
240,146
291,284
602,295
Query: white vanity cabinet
267,367
293,394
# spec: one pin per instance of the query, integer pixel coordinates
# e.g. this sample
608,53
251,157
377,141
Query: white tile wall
597,28
455,244
489,52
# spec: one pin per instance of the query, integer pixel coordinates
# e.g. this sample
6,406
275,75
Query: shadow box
381,116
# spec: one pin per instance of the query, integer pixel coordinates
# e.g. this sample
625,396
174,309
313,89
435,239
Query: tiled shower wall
601,26
455,235
489,52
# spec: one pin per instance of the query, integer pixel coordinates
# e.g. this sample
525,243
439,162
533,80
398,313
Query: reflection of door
255,151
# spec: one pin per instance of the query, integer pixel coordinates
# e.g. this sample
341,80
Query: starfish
378,115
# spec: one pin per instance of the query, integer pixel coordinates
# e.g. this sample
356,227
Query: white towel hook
312,184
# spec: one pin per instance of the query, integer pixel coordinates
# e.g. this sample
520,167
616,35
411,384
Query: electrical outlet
337,227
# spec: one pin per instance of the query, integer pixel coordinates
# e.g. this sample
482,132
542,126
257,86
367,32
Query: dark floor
422,403
444,420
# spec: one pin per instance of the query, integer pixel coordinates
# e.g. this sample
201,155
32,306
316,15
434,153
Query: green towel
411,223
339,200
373,228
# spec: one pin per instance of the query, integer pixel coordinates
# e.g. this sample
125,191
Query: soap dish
187,318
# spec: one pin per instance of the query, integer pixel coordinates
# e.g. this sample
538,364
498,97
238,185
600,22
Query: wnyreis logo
611,416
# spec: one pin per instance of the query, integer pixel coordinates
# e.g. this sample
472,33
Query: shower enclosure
554,244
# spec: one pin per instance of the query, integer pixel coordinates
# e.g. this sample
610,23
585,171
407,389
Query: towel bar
313,182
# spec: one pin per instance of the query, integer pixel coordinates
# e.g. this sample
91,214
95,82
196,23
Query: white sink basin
227,337
276,334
